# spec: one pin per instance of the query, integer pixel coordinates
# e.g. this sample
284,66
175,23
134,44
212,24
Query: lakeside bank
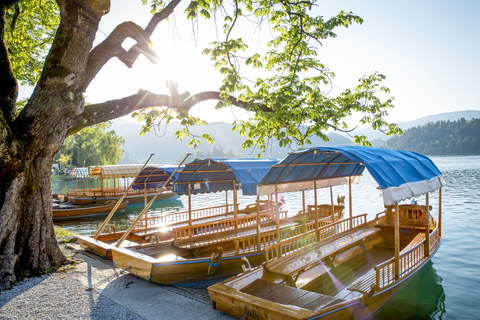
94,289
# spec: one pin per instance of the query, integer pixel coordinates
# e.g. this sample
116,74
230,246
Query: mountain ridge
162,141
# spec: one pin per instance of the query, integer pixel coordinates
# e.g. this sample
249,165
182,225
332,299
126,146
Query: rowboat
144,188
351,268
207,252
61,212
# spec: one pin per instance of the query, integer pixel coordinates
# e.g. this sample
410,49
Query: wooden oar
125,235
107,219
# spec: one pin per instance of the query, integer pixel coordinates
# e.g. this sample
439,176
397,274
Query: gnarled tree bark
29,141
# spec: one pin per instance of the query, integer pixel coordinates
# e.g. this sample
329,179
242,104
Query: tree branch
182,103
8,83
112,46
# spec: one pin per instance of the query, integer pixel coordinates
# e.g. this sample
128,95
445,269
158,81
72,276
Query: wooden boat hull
80,200
186,272
240,297
238,304
60,213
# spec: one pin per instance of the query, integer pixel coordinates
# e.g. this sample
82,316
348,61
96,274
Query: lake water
447,288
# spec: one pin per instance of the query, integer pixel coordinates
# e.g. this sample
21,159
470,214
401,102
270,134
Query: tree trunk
27,236
29,142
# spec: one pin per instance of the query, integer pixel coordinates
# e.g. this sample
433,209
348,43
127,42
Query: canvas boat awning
154,177
400,174
212,175
79,172
116,171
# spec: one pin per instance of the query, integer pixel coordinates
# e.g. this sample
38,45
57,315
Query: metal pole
125,235
107,219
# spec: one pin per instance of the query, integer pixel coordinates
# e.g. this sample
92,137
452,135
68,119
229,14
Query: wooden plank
419,238
321,302
287,295
302,259
348,272
364,284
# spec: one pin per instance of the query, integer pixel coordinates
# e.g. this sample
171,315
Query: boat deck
335,282
329,288
289,295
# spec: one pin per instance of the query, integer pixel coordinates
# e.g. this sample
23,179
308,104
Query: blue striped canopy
399,174
154,177
79,172
220,174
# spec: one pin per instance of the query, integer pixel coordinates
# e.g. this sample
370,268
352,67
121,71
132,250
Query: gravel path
94,289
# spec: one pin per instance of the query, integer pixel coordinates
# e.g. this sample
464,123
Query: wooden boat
208,252
160,228
349,269
148,182
75,212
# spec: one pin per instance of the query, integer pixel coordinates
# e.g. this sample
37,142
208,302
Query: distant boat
351,268
60,212
145,186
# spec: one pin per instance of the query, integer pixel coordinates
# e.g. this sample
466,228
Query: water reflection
422,298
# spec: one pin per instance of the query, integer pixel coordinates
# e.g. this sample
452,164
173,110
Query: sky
429,51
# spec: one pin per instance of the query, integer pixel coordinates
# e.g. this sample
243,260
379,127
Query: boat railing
296,243
407,212
184,216
409,260
249,244
111,192
219,226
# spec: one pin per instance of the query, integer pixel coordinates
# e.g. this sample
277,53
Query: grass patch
59,232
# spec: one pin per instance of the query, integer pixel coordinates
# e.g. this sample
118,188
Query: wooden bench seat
364,284
310,256
196,242
289,295
419,238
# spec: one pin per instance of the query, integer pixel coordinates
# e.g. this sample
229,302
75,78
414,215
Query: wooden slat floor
335,282
284,294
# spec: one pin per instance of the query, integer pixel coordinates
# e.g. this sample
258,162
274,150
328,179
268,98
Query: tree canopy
50,45
293,92
94,145
460,137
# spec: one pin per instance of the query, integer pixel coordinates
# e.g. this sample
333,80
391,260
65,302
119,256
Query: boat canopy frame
116,171
400,174
222,174
154,176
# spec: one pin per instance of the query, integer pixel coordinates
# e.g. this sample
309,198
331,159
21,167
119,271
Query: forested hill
168,149
460,137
